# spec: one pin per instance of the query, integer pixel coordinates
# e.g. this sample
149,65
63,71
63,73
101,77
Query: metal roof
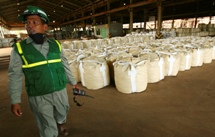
69,11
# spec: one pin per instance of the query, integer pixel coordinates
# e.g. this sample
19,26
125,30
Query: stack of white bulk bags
94,72
155,67
130,75
171,61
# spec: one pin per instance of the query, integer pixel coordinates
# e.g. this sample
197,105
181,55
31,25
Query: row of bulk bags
201,54
130,75
174,61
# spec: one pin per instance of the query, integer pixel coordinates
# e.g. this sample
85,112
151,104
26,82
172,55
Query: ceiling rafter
69,11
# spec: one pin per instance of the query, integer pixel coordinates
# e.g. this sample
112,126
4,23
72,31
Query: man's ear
45,27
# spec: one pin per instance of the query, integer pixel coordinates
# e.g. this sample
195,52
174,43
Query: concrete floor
181,106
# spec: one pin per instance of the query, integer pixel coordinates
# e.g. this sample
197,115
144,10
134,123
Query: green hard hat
32,10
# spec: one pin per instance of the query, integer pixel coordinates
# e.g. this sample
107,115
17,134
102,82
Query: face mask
37,38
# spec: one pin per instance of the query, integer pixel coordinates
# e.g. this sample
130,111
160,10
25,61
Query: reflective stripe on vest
60,48
37,63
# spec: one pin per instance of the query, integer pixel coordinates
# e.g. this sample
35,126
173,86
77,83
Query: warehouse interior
172,93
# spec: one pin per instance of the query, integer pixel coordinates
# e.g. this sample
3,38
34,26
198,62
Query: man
46,74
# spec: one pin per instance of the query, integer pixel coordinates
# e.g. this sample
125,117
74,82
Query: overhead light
53,21
53,10
61,5
18,3
124,3
18,10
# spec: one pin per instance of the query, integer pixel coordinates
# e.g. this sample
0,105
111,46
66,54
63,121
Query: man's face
33,24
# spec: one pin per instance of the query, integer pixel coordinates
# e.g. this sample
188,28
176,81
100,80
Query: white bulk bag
78,44
5,42
134,50
117,40
197,57
73,61
124,40
137,38
66,44
130,39
185,59
99,54
131,75
87,43
155,67
171,61
93,43
213,53
111,58
94,72
67,52
110,41
99,41
208,55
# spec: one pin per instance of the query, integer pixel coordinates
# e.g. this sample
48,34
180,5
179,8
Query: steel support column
158,31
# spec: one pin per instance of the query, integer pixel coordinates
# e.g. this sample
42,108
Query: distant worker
46,74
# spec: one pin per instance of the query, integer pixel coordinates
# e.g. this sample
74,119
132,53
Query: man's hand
76,86
16,110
